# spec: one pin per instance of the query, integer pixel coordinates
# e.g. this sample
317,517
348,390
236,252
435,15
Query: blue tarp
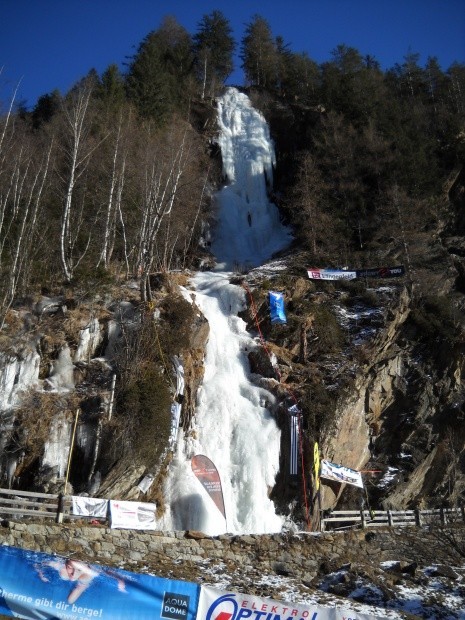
277,313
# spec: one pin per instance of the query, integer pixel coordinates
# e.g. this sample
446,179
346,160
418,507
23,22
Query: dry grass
34,418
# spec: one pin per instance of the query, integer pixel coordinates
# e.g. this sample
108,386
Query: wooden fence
349,519
17,505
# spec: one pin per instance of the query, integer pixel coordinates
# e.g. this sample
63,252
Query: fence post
462,510
418,517
322,521
61,508
389,516
362,518
442,516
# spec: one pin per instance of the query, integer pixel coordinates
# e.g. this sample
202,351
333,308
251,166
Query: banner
331,471
342,274
89,506
223,605
382,272
316,466
132,515
179,369
146,482
277,314
294,452
37,585
209,477
331,274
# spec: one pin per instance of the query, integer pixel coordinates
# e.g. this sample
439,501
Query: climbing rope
291,394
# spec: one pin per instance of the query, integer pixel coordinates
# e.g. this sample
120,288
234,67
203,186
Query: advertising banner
132,515
208,476
342,274
221,605
339,473
277,313
331,274
382,272
37,585
89,506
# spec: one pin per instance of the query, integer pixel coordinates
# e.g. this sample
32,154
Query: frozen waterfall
233,425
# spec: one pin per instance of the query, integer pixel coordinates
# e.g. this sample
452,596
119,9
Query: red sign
209,477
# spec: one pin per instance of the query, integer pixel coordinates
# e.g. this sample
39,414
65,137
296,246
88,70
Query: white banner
215,604
89,506
331,274
179,375
331,471
132,515
146,482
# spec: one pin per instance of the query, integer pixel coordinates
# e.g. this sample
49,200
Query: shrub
434,318
143,407
331,337
174,331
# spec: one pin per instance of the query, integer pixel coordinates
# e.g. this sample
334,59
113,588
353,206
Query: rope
291,394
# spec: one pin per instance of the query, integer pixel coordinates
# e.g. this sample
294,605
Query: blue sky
49,44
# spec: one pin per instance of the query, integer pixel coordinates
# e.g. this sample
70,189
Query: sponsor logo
175,606
228,608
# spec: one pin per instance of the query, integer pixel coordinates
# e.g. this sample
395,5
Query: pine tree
213,49
112,89
158,77
259,55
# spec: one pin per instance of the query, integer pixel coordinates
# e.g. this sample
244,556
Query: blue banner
35,585
277,313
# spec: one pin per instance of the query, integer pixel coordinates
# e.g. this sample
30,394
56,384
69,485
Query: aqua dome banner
36,585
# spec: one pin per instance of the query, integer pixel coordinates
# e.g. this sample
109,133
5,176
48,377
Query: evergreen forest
114,178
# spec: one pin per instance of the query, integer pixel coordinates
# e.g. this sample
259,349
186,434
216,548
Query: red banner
209,477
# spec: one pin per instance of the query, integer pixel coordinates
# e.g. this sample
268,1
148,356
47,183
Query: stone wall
184,555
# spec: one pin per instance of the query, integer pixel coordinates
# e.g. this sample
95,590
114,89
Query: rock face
62,362
386,396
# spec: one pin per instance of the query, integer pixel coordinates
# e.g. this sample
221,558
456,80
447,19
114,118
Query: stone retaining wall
182,555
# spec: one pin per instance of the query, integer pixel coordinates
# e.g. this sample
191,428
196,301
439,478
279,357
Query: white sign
146,482
215,604
132,515
341,474
90,506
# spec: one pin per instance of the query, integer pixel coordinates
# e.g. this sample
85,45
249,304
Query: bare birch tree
22,186
117,177
78,147
166,161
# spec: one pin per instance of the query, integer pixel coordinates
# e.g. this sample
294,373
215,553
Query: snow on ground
427,594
